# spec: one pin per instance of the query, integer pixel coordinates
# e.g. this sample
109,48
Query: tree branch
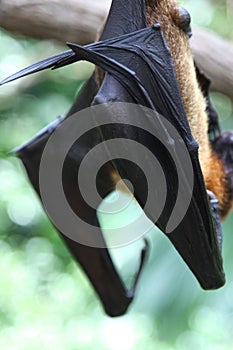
70,20
214,57
79,20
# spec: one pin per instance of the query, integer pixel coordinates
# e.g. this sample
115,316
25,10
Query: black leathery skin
135,54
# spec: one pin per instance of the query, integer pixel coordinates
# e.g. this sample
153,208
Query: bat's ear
124,17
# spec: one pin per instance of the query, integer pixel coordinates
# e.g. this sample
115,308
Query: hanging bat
145,56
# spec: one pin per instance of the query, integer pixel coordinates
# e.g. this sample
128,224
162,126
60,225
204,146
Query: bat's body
217,172
168,14
141,70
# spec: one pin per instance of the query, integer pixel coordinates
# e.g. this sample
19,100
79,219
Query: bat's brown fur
167,14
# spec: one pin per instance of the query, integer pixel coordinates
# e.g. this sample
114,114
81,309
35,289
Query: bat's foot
214,203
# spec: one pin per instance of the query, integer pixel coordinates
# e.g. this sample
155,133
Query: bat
137,53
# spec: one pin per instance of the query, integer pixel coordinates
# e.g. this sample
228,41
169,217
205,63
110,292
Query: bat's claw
144,252
216,216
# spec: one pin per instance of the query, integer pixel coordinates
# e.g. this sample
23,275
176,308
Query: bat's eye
183,20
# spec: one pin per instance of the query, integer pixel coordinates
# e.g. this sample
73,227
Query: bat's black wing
124,17
138,70
96,262
130,60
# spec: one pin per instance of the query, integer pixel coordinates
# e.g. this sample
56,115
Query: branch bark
214,57
79,21
70,20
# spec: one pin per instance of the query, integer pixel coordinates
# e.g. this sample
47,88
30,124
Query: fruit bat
143,58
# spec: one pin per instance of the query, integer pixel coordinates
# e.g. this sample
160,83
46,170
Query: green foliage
45,299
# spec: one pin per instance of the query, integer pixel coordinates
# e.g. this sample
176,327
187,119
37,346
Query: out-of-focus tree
45,300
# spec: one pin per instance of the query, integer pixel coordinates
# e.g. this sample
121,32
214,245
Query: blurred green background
45,299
